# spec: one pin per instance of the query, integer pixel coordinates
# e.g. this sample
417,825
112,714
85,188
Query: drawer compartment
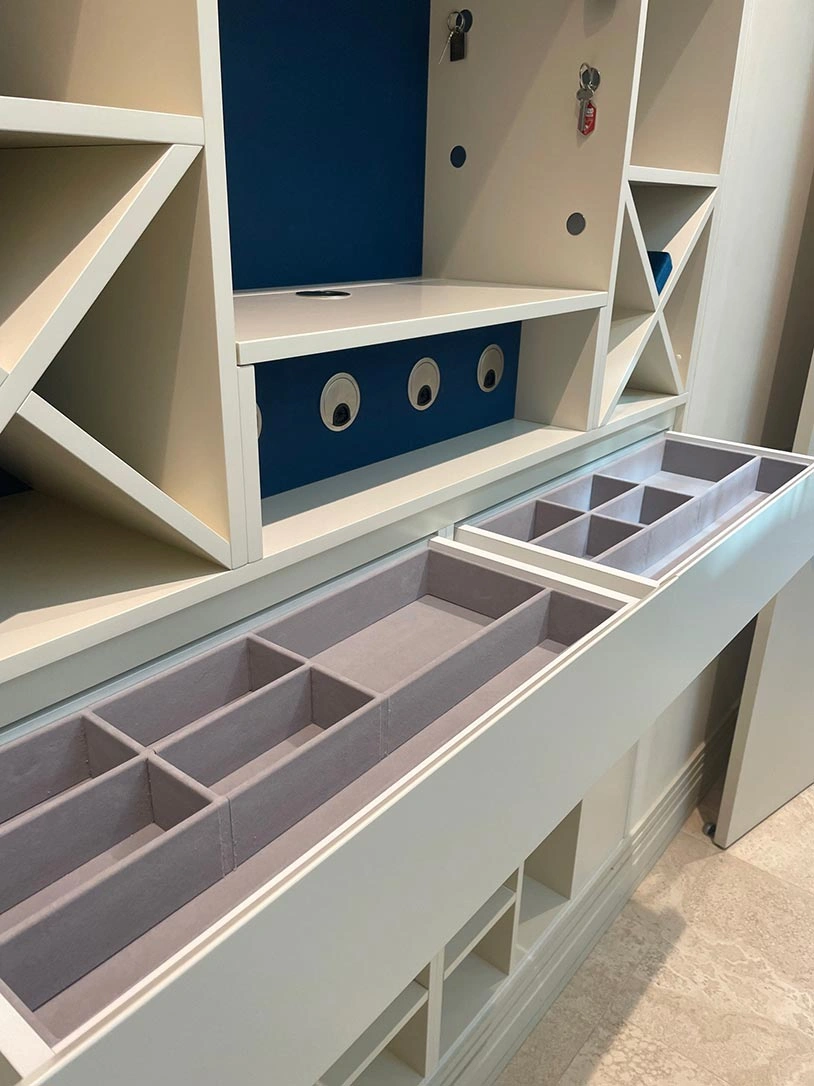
645,513
277,738
158,707
57,758
431,630
127,850
278,757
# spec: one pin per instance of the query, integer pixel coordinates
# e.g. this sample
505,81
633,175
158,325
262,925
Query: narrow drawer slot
126,850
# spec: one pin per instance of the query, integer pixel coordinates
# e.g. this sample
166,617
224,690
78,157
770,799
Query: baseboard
494,1037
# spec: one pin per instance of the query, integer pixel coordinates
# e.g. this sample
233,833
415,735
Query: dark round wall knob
341,416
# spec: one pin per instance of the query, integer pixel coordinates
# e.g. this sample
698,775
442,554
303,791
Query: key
584,97
447,44
456,42
457,45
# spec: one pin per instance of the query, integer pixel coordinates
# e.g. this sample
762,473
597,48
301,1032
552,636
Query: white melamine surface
277,324
653,175
32,122
375,1039
304,521
474,930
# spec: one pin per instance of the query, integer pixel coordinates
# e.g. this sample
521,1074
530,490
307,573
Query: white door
773,752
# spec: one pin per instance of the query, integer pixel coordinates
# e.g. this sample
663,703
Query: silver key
584,97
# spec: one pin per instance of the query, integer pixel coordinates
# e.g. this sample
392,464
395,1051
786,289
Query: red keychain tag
588,119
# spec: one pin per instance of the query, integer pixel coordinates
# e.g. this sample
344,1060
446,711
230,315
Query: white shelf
376,1038
305,522
55,585
539,908
474,930
638,406
32,122
389,1070
466,994
652,175
277,324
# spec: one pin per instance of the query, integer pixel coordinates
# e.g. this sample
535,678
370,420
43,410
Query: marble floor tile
628,1057
783,845
730,900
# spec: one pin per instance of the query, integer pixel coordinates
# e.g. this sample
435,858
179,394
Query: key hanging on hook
458,25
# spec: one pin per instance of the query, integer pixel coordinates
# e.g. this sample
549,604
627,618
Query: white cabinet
395,768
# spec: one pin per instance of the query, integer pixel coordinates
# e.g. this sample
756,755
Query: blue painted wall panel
296,448
325,111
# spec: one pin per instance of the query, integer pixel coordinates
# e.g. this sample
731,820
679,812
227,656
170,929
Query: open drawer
362,741
641,517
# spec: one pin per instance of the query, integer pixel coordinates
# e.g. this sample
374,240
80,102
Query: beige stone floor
705,979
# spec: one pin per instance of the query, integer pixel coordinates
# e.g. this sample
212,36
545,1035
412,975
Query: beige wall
763,208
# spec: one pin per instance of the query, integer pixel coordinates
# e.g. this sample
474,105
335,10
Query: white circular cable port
424,384
490,368
340,402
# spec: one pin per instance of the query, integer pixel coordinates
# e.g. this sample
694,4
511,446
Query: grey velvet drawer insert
163,790
646,510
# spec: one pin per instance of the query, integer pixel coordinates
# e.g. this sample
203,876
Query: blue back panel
297,448
325,111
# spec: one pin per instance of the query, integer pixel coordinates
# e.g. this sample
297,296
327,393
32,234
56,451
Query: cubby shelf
473,931
60,588
62,261
53,455
540,907
466,994
389,1070
672,219
373,1042
276,324
32,122
628,337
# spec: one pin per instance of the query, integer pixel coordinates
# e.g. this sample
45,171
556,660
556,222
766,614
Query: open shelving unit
116,398
122,408
516,925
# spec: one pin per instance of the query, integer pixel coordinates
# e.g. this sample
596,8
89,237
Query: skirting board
495,1036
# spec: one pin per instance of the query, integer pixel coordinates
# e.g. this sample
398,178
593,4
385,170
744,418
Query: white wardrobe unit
336,782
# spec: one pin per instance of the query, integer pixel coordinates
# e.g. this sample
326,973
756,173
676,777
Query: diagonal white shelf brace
654,363
47,450
641,245
118,191
674,218
629,335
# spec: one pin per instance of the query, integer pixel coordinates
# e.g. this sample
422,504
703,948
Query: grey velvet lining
176,784
648,509
99,987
